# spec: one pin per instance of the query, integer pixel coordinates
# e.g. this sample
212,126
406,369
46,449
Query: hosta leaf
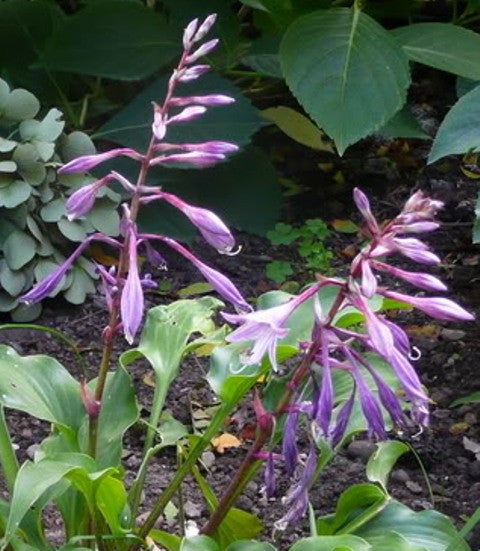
459,131
126,40
14,194
346,70
442,45
19,248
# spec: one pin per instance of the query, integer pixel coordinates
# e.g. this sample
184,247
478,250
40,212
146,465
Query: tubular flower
82,200
131,302
87,162
266,327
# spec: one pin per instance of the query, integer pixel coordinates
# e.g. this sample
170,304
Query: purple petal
87,162
207,100
289,443
205,27
188,114
204,49
131,302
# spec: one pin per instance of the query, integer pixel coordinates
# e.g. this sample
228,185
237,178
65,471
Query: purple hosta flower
204,49
214,146
419,207
363,205
207,100
159,125
370,407
87,162
47,285
189,34
416,227
195,158
217,280
415,250
82,200
131,301
289,442
296,500
128,186
192,73
188,114
379,333
214,231
269,475
400,338
325,398
109,284
369,281
419,279
342,419
154,257
436,307
205,27
266,327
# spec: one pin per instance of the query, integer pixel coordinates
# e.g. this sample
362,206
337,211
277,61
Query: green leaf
81,285
72,229
250,545
15,193
473,398
40,386
442,45
104,217
263,56
427,529
35,479
47,130
111,499
27,25
459,131
199,543
403,125
298,127
356,505
278,270
19,248
236,123
347,72
331,543
464,85
383,459
126,41
171,542
119,412
12,282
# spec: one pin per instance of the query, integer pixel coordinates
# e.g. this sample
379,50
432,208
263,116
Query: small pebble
400,475
414,487
361,449
452,334
474,470
192,510
32,450
208,459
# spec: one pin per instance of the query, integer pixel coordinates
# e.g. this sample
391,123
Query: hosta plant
350,370
35,232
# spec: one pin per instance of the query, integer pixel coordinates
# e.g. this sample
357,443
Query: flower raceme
350,351
124,286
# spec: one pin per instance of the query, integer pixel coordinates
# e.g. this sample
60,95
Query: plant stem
8,459
185,469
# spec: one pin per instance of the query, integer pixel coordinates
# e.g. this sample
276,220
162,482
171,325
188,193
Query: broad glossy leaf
464,85
356,505
459,132
250,545
119,412
332,543
428,529
235,123
199,543
403,125
126,41
34,479
171,542
346,70
444,46
383,460
40,386
111,499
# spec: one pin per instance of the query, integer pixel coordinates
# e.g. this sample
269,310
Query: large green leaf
126,40
35,479
250,545
383,459
119,412
40,386
346,70
199,543
427,529
24,28
236,122
403,125
443,46
332,543
459,131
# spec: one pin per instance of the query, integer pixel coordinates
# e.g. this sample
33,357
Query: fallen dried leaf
224,441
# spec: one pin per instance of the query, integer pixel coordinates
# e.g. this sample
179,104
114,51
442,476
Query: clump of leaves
35,233
309,239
